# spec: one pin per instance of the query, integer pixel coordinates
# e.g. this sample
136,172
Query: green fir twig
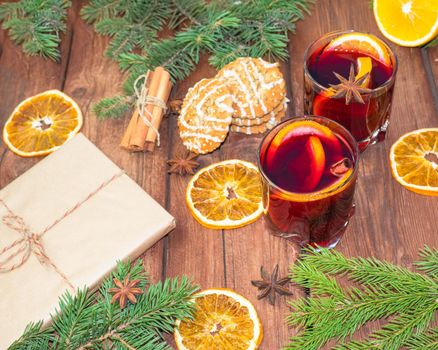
432,43
91,321
36,25
333,312
222,29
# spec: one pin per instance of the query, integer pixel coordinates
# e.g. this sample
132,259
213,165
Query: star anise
351,88
125,291
183,164
270,285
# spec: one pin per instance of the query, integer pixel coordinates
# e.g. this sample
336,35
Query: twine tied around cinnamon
31,243
142,100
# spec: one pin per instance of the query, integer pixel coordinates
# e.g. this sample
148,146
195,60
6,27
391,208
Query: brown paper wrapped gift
63,225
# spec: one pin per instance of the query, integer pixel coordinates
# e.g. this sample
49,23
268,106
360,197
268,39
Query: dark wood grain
390,222
250,247
192,249
90,77
430,61
20,77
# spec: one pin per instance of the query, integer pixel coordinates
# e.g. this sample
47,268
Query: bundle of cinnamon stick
142,131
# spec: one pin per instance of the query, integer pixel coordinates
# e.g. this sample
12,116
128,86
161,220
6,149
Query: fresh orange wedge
361,43
224,320
226,195
42,123
414,161
407,22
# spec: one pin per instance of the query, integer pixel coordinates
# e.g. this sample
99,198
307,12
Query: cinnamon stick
138,138
158,112
129,130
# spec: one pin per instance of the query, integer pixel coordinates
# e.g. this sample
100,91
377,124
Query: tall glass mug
349,77
309,169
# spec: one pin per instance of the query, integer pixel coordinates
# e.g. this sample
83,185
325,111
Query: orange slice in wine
361,43
316,155
364,65
301,128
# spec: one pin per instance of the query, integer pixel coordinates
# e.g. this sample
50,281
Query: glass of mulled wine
349,77
309,169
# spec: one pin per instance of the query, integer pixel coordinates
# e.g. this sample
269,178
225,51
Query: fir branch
432,43
98,10
337,313
91,321
112,107
36,25
224,29
33,338
193,11
424,341
428,262
131,24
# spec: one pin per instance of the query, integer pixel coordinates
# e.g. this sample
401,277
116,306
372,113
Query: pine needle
333,312
222,29
91,321
36,25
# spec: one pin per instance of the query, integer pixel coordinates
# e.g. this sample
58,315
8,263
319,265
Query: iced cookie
257,86
258,129
205,116
259,120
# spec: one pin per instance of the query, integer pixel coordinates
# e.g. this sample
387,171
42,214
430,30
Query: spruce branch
223,29
432,43
131,24
385,290
112,107
424,341
90,320
33,338
428,262
36,25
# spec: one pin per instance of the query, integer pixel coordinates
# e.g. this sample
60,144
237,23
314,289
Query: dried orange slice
226,194
407,22
42,123
362,43
414,161
224,320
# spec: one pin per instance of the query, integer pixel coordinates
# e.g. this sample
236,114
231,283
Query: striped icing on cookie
205,117
258,86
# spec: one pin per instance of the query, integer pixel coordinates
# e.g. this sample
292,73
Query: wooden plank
192,249
90,77
250,247
430,60
433,54
390,222
22,76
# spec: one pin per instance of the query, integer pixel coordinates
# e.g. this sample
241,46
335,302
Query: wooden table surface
390,222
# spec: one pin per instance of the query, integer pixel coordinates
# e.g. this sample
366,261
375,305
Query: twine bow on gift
143,100
16,254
